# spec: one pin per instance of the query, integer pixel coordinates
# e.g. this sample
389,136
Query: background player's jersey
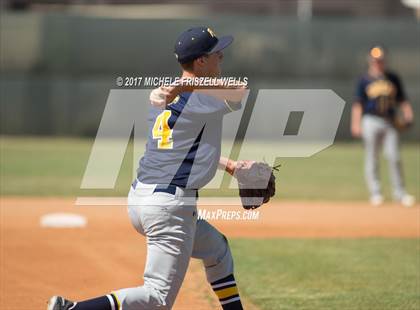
380,96
184,141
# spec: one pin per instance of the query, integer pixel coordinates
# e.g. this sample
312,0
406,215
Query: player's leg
169,225
213,249
392,154
167,261
372,133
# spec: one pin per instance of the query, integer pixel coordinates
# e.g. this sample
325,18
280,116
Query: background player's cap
199,41
377,52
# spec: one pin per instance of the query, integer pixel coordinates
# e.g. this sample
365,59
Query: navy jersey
184,141
380,96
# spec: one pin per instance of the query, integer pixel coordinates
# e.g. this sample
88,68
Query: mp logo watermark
276,123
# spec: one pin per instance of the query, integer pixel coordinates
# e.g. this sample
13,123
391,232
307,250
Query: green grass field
286,273
55,167
329,274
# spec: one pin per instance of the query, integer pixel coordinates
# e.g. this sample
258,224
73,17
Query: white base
63,220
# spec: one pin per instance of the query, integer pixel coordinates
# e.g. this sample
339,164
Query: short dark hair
189,66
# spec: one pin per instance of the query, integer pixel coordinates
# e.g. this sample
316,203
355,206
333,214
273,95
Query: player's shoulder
179,102
190,98
391,75
364,79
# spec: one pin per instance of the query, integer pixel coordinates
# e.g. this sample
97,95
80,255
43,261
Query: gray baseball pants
173,234
378,132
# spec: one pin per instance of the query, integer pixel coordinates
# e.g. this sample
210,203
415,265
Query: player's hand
158,98
161,96
356,130
230,165
407,112
244,164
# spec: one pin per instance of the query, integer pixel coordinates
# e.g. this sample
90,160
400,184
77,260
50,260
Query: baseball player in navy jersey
379,97
182,155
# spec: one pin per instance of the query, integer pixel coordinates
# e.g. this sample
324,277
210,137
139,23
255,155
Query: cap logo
211,32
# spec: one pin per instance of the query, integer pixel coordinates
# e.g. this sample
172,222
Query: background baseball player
182,155
380,98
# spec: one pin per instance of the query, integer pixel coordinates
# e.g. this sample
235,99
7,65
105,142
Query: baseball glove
257,184
399,121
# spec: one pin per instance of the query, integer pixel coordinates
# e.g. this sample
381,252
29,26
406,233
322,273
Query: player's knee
392,156
220,264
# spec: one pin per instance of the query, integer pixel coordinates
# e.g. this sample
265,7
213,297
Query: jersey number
162,132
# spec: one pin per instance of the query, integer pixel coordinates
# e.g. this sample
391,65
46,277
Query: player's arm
163,95
233,94
401,97
227,164
356,119
357,109
407,111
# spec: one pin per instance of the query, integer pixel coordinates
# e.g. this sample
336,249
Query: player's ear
201,61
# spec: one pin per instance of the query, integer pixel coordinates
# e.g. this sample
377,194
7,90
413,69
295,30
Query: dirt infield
108,254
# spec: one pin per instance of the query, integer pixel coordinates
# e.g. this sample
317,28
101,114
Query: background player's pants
378,132
173,236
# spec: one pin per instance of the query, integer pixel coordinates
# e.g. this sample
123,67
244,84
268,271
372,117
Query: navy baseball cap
197,42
